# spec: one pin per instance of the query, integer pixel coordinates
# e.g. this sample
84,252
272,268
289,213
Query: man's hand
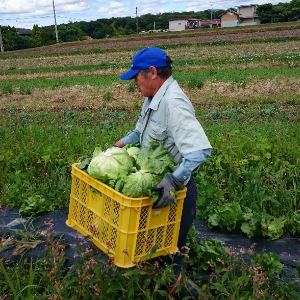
166,189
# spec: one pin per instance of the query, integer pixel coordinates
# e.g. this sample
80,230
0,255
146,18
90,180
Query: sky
26,13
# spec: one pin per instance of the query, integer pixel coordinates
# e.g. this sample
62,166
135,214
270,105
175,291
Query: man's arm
132,137
168,185
190,163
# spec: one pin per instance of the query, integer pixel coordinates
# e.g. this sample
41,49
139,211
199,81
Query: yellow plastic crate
116,223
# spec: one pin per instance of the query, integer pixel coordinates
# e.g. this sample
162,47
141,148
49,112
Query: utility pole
56,33
1,42
137,21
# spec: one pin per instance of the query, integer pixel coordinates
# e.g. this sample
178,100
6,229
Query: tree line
104,28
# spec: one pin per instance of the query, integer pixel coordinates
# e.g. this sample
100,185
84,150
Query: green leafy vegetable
132,150
138,184
111,164
264,224
131,170
84,163
151,165
156,159
35,205
227,216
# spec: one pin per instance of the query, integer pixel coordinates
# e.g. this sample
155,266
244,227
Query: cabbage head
133,150
110,165
137,184
156,159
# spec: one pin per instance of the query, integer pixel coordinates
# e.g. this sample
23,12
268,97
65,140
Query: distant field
229,73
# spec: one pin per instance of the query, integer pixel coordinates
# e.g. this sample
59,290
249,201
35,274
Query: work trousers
188,215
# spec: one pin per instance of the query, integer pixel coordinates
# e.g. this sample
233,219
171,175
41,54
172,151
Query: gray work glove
166,189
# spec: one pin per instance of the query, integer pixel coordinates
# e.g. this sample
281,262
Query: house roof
229,11
247,5
183,19
23,31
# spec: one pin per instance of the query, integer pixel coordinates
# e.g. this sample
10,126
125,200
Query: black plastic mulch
287,247
13,224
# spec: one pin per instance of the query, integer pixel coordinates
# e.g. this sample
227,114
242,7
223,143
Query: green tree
36,35
294,7
102,31
265,13
70,32
48,35
13,41
282,12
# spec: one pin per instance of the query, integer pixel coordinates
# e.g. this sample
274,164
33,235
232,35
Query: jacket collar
160,93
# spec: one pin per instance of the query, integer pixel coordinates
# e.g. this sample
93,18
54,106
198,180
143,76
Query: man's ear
153,72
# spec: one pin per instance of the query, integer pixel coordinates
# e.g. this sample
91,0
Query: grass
247,100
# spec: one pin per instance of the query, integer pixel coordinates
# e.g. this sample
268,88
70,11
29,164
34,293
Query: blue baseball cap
144,59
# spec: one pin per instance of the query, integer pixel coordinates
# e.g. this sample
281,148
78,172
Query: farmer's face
144,83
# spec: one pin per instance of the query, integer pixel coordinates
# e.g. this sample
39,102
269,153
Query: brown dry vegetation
212,94
125,56
88,96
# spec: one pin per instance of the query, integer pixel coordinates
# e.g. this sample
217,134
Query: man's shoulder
175,96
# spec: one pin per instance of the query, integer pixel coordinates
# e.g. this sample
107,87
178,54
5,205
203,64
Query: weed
12,110
7,89
195,83
136,104
131,87
26,115
237,273
107,96
89,276
25,90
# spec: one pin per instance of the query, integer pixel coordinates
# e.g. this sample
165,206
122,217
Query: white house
191,23
181,23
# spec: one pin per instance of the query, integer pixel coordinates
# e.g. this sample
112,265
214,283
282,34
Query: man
168,116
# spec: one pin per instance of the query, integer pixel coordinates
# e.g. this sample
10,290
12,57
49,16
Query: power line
45,17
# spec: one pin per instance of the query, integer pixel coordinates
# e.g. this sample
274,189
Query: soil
140,41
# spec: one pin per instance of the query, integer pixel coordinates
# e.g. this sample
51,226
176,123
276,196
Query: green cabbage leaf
156,159
132,170
137,184
111,164
133,150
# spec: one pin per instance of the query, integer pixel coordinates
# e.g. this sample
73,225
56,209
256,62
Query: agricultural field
57,106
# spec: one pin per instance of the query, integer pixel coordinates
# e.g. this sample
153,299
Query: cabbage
131,170
132,150
111,164
151,165
138,184
156,159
